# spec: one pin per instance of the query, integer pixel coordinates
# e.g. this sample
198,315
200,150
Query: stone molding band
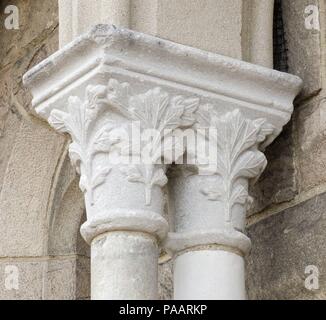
179,242
125,220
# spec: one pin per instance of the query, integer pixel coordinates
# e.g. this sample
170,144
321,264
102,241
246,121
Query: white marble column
110,85
209,206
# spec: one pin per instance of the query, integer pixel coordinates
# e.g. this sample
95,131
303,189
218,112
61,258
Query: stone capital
109,81
218,182
107,78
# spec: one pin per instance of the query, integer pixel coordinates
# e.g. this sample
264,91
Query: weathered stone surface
277,183
30,280
12,73
67,279
196,21
26,189
165,281
83,278
14,99
32,225
310,143
21,49
197,32
59,280
304,45
9,124
37,20
283,246
63,278
296,161
67,216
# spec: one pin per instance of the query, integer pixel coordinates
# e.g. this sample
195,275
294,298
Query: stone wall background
287,221
41,207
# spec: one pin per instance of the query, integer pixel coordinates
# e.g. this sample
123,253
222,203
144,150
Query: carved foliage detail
154,109
237,156
79,122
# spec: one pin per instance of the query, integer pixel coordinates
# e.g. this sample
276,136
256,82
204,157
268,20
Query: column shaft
124,266
209,275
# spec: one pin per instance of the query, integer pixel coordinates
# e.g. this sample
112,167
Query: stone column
257,32
112,85
210,201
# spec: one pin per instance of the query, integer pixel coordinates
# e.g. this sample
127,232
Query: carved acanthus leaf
79,121
149,175
154,109
237,156
236,142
